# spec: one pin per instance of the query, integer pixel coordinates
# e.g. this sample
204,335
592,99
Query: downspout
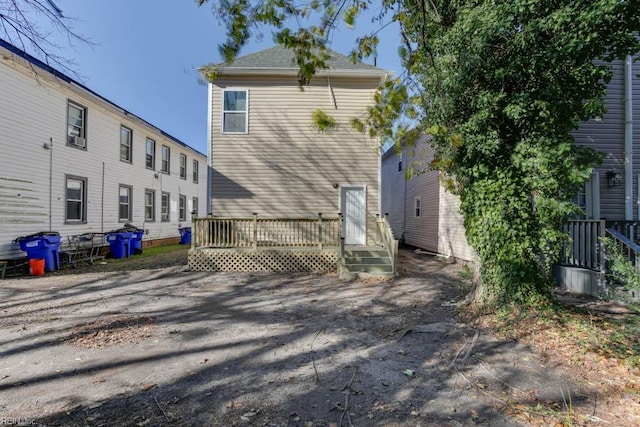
404,158
50,184
209,150
331,94
628,139
380,182
102,202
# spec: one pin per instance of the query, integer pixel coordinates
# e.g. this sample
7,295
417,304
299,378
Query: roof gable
281,61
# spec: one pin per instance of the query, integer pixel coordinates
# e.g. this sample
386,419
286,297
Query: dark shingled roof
279,57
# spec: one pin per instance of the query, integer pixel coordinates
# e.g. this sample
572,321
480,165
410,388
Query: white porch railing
385,238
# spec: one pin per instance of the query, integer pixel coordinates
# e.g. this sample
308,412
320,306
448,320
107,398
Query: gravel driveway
165,346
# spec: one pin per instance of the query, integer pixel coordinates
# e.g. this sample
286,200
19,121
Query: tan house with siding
422,213
268,158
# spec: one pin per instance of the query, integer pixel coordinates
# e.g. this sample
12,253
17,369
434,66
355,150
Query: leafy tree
499,85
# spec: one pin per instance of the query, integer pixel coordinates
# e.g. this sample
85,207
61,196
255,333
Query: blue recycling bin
119,244
135,246
43,245
185,235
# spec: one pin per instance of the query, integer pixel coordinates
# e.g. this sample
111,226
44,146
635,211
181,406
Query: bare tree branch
32,26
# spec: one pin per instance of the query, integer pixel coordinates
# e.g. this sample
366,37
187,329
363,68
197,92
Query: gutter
354,73
628,139
209,149
80,88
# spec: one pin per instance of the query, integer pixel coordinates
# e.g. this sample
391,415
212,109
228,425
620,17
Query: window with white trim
196,168
182,207
166,157
76,125
183,166
149,205
194,208
150,157
124,203
235,112
164,206
76,199
417,207
126,147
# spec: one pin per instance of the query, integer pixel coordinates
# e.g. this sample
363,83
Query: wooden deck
283,245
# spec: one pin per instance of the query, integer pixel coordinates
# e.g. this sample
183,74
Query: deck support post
255,230
320,230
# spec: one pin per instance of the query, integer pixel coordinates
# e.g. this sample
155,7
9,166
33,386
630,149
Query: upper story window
400,165
183,166
166,157
235,112
150,157
76,125
76,200
126,147
417,207
195,171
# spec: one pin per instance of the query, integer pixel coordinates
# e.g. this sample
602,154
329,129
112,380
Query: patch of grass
465,273
575,330
600,350
465,284
157,250
610,337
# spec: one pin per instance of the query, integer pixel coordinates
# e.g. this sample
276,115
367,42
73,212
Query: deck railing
254,232
629,229
628,248
584,248
385,238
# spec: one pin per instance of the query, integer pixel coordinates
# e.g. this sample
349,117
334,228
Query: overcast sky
146,54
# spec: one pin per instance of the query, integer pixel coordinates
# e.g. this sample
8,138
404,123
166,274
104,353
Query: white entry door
353,204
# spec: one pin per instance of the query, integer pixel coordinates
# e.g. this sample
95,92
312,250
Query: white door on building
353,205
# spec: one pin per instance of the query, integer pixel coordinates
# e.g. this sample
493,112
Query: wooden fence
254,232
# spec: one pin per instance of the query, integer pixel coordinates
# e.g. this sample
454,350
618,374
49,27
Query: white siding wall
422,231
34,110
440,227
283,166
451,233
393,189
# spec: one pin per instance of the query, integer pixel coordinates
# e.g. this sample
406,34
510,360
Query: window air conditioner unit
78,141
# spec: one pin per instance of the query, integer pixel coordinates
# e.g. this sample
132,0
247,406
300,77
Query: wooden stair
366,262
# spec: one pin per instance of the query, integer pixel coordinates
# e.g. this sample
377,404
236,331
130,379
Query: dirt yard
158,345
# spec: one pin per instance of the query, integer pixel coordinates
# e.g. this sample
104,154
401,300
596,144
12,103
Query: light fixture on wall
614,179
336,185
